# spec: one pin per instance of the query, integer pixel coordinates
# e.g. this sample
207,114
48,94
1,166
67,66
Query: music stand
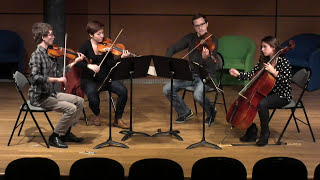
205,78
129,68
174,69
110,142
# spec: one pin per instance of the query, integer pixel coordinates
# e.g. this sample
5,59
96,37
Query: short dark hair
39,30
94,26
199,15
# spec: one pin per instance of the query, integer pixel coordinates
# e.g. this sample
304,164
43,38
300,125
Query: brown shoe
120,124
97,121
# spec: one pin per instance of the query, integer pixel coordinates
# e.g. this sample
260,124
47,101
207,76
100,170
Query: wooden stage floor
150,113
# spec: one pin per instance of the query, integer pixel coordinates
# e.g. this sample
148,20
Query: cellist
280,94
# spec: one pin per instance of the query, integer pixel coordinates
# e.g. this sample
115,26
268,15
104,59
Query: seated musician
200,25
280,94
42,93
90,83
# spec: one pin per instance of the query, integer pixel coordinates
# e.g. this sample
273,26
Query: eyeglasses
51,34
199,25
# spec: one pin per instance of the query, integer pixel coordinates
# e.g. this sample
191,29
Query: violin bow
64,58
65,54
109,50
196,46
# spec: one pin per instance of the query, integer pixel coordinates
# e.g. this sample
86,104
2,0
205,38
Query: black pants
91,89
269,102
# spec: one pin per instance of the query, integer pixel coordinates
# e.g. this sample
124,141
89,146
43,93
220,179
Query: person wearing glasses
204,58
41,92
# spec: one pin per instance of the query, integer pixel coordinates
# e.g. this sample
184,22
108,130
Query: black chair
301,78
32,168
155,169
218,168
96,169
279,168
219,74
21,81
317,173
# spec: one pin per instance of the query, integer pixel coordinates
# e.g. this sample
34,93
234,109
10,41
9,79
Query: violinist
280,94
203,57
91,82
42,93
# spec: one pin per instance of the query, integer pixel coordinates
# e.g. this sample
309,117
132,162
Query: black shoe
212,118
69,137
183,119
251,134
55,141
263,140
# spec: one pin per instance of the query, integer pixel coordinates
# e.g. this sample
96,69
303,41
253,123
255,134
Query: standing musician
280,94
42,93
90,83
204,58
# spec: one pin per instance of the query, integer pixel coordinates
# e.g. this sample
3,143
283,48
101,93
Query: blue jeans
178,103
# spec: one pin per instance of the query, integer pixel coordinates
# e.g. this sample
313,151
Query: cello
243,111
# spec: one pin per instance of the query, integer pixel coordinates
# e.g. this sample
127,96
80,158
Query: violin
117,49
56,51
206,41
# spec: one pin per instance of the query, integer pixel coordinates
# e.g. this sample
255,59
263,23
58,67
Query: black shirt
189,41
87,50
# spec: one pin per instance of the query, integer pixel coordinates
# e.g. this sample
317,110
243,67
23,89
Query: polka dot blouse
282,86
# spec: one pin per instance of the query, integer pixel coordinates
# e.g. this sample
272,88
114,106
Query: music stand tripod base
129,133
170,132
109,142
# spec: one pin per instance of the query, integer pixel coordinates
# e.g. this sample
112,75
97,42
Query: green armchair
238,52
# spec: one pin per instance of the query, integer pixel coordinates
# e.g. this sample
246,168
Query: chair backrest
317,173
302,77
279,168
20,80
218,168
96,169
220,62
32,168
155,169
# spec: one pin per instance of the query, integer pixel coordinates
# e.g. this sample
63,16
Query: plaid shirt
42,67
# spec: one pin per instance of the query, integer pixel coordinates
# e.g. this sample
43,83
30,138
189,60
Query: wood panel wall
150,27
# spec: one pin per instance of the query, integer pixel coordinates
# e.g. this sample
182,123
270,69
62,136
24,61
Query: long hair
272,42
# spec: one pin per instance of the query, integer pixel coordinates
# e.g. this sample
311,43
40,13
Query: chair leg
85,116
44,139
14,127
305,113
22,122
284,129
274,110
195,106
295,121
224,102
45,113
184,93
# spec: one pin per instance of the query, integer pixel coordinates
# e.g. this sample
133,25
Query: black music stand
174,69
129,68
206,79
110,142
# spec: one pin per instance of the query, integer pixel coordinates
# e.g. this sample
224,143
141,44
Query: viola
117,49
56,51
206,41
243,111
